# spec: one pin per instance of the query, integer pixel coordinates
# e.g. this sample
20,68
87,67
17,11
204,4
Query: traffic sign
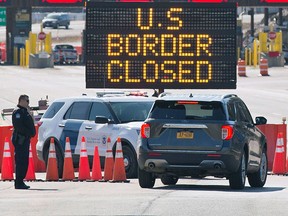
2,16
272,35
41,36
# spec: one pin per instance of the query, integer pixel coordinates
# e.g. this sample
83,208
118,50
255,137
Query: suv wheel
67,26
237,179
130,162
258,179
59,157
145,179
169,179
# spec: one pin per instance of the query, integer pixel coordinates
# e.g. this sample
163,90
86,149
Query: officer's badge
104,140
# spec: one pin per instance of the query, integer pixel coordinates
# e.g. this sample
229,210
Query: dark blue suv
201,135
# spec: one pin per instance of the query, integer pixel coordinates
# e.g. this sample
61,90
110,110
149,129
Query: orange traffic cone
7,165
109,162
119,174
279,157
96,168
84,168
68,169
30,175
52,169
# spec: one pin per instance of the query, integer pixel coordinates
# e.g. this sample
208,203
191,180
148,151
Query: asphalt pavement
264,95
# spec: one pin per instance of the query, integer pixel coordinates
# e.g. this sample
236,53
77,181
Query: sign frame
228,62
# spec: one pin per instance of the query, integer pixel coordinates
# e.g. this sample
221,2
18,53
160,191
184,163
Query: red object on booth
273,54
135,0
208,1
62,1
41,36
275,1
272,35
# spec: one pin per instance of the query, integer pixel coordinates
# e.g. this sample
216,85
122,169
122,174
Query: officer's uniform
24,129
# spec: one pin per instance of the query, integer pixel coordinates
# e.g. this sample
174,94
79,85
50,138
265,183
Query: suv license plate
185,135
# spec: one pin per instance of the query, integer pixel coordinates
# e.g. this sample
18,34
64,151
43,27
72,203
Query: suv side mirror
260,120
102,120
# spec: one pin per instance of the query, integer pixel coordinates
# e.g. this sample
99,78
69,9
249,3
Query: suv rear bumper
189,163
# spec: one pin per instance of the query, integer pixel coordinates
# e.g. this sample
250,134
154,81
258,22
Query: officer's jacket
23,122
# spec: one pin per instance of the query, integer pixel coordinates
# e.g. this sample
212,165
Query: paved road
207,196
266,96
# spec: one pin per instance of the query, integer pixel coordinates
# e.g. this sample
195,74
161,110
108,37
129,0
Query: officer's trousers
21,160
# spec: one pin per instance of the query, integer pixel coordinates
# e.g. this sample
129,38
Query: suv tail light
145,130
227,132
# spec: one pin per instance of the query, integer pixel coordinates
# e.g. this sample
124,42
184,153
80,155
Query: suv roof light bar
102,94
229,95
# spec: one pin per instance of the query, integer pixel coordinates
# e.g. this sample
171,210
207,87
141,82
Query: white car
95,118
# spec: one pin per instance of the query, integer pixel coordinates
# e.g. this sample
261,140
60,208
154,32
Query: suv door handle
61,125
88,127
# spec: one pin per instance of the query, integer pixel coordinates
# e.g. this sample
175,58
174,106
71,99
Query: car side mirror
260,120
102,120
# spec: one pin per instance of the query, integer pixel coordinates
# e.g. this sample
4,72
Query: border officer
24,129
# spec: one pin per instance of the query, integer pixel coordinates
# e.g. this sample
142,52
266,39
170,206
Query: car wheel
130,162
59,157
56,26
145,179
237,179
169,179
258,179
67,26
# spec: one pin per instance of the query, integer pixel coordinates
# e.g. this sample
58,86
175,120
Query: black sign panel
161,45
4,3
56,3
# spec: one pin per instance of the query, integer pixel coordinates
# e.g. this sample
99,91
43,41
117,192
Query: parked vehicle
65,54
56,20
285,53
202,135
95,118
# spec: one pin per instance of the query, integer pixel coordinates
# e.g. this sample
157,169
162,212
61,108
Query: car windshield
53,16
187,110
131,111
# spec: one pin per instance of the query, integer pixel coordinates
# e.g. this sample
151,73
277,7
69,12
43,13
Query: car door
72,123
248,128
97,134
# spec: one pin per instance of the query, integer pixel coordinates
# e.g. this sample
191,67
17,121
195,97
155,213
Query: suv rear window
187,110
53,109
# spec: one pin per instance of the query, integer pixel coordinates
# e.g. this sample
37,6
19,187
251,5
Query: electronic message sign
161,45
